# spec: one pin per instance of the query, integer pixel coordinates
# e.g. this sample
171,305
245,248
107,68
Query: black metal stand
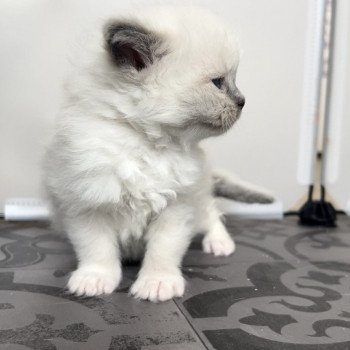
317,212
320,212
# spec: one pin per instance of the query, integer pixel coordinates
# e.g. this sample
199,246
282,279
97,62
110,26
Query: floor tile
286,287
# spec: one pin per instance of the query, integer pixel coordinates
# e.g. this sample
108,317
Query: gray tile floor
287,287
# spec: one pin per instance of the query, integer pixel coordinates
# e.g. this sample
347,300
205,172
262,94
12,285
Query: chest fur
152,180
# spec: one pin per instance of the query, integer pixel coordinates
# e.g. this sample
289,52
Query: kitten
125,175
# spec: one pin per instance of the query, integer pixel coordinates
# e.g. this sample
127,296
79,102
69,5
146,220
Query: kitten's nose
240,101
238,98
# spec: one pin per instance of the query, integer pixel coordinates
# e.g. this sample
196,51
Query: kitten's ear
129,44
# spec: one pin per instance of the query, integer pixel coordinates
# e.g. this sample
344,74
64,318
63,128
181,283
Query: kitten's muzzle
238,98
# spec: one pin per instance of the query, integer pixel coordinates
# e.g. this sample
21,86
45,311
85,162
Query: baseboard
23,209
252,211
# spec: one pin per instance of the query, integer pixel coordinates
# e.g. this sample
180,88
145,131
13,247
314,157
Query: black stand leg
317,212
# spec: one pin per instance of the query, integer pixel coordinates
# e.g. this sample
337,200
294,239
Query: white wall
263,147
338,142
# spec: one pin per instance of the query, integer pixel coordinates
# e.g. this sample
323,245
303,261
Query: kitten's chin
198,128
205,130
215,128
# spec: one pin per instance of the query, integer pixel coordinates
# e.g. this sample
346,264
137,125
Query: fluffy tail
232,187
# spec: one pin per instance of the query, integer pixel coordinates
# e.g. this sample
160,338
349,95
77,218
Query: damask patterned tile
286,287
37,313
292,293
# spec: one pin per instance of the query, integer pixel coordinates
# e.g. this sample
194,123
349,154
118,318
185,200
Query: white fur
123,178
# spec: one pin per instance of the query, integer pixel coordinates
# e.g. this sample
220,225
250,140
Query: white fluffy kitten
125,175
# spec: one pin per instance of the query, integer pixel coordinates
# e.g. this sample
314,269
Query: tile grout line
188,321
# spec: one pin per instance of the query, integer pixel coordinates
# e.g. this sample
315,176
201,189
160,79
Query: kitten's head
178,69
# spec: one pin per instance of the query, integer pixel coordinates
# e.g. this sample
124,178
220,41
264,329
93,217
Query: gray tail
231,187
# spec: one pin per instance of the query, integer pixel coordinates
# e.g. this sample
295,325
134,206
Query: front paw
219,246
94,280
158,286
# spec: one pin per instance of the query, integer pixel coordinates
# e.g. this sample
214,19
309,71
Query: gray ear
131,45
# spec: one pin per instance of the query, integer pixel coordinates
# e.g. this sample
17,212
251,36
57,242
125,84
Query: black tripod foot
318,213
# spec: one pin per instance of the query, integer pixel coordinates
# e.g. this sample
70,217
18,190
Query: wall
263,147
338,140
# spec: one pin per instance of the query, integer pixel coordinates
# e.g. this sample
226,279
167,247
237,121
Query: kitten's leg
216,240
168,237
99,269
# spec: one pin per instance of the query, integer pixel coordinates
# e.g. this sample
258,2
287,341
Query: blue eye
218,82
